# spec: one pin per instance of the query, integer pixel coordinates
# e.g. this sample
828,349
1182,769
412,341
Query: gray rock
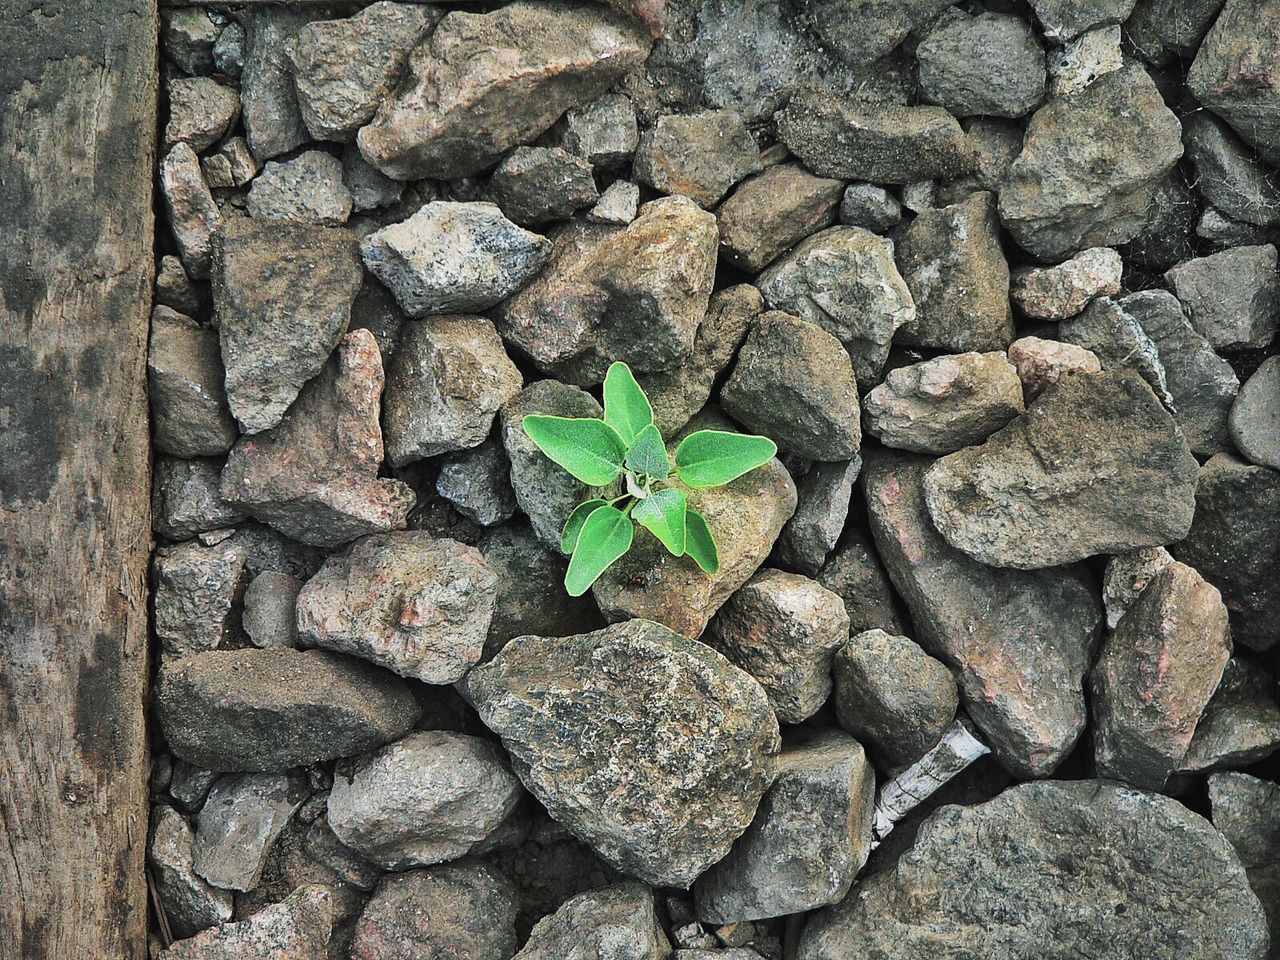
863,33
845,280
193,216
990,64
783,629
196,592
1255,416
793,382
228,52
1083,60
486,82
698,155
1232,297
1114,334
772,212
254,710
1064,19
174,288
189,785
342,69
1182,888
270,602
477,482
1245,809
272,120
201,110
185,499
854,573
602,132
822,506
668,757
232,166
375,310
809,839
871,207
536,184
321,845
1240,725
369,189
306,189
995,143
243,816
1063,290
1228,174
189,414
1221,232
1126,576
614,923
190,903
416,605
1162,30
464,910
1166,235
618,204
187,36
893,696
1235,73
1095,465
1090,166
430,797
297,928
940,405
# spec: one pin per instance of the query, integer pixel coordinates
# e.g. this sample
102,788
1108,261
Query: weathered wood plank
77,124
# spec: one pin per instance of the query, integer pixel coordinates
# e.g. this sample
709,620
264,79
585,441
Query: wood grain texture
77,124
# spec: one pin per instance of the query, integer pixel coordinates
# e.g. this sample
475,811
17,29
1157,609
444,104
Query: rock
941,405
773,211
1095,465
635,294
536,184
174,288
1228,175
282,296
323,847
870,207
189,902
342,69
187,36
668,757
1154,676
1042,363
1234,543
793,382
1063,290
880,143
1020,642
783,629
952,262
201,110
447,380
996,143
1232,297
602,132
1119,340
1090,166
270,603
822,506
1126,576
228,52
1165,237
464,910
1221,232
196,590
893,696
990,64
1241,723
369,189
272,120
486,82
808,841
430,797
253,710
193,216
418,606
232,166
1235,72
266,549
297,928
1181,886
1245,809
614,923
860,34
1162,30
698,155
185,499
477,482
375,310
189,412
1255,416
242,818
618,204
1064,19
854,573
1089,56
844,279
306,189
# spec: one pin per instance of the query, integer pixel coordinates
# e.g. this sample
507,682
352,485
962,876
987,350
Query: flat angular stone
536,184
667,760
1114,334
185,500
1063,290
1042,363
614,923
189,415
1065,19
1255,416
990,64
369,189
861,34
297,928
189,785
306,189
1236,72
1228,174
190,903
193,216
772,212
1247,810
234,165
854,573
1127,575
243,816
1164,29
697,155
1083,60
270,609
602,132
1240,725
477,483
618,204
870,206
1232,297
272,120
196,590
201,110
822,506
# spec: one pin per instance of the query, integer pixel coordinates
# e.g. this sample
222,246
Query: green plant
627,444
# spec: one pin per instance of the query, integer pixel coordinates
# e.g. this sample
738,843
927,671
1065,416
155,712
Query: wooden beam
78,129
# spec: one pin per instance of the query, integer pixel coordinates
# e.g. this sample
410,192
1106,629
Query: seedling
627,444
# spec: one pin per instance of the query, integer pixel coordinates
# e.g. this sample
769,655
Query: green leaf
626,408
589,449
648,455
663,515
573,526
606,536
709,458
699,543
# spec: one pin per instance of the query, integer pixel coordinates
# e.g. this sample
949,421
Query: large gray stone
855,574
190,903
243,816
272,121
185,499
1255,416
1164,29
699,155
200,111
990,64
197,589
1065,19
536,184
305,189
1232,297
772,212
1247,811
477,483
822,507
615,923
193,215
297,928
1240,725
1228,174
189,415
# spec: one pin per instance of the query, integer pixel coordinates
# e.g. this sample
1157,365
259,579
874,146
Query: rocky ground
1001,282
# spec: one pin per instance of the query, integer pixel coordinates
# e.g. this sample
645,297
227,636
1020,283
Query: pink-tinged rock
1042,363
1063,290
193,216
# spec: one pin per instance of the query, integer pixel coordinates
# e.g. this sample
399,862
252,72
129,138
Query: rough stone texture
1115,336
1042,363
243,816
430,797
1255,416
536,184
1021,642
270,604
1232,297
1090,166
1063,290
844,279
1165,237
454,257
187,36
793,383
1236,74
941,405
1064,19
1126,576
1154,676
615,923
369,189
193,216
201,110
990,64
189,785
305,189
1095,465
809,839
635,294
416,605
174,288
189,415
185,499
618,204
232,166
772,212
860,33
1234,543
254,710
1182,887
1164,29
892,696
783,629
477,483
822,506
487,82
697,155
602,132
854,573
871,207
1241,723
464,910
272,121
196,589
952,262
297,928
668,754
342,69
1228,174
1083,60
1247,811
190,903
1221,232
